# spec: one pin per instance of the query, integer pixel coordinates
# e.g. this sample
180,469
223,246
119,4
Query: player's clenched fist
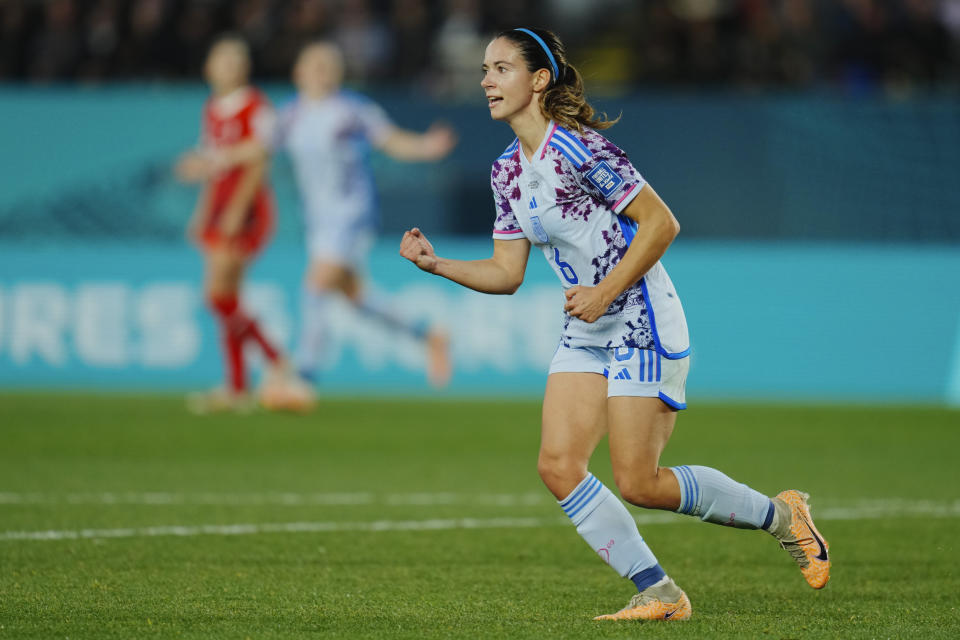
417,249
586,303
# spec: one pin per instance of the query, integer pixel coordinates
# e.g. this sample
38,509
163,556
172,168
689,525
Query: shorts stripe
630,371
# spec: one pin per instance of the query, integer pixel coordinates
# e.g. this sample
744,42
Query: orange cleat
799,536
666,602
284,390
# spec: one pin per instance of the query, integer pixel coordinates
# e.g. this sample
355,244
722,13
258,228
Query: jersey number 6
568,273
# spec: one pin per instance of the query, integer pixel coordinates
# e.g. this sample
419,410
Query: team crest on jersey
605,179
538,230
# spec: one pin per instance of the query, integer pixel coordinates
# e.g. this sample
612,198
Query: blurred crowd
437,45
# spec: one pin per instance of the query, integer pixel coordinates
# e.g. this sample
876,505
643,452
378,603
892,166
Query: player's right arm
201,214
432,145
238,206
502,273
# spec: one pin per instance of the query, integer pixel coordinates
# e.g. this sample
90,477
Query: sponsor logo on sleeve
605,179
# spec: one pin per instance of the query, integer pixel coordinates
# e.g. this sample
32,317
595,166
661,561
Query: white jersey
567,201
329,142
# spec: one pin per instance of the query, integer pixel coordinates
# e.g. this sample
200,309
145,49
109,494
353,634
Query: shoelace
639,600
795,548
643,598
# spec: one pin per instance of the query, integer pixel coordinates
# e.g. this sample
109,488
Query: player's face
318,71
507,83
227,67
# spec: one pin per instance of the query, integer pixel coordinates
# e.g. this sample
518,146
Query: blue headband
553,62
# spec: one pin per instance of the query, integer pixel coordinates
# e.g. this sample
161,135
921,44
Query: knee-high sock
606,525
314,310
236,328
716,498
224,308
377,308
253,332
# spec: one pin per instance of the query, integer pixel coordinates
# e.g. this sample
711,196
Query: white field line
865,510
291,499
822,508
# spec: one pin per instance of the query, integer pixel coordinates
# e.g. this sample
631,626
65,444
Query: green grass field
125,517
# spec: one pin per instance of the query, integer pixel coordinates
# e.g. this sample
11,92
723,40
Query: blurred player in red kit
233,220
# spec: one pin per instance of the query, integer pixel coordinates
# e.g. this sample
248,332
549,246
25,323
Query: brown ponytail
564,100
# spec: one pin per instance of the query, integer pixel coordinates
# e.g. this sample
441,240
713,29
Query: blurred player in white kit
328,133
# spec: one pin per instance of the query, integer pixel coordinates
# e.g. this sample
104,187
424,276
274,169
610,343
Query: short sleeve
264,124
608,175
505,227
285,119
373,121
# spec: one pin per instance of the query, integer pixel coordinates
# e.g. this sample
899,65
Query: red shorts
254,233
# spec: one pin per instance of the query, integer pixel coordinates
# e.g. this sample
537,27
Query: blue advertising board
818,260
830,323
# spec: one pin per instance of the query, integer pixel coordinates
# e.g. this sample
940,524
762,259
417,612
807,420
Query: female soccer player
621,365
327,132
234,217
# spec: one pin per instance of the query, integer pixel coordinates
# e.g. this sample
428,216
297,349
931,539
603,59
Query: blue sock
716,498
648,577
605,524
768,519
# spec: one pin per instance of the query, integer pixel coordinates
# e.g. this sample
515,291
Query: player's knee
639,491
561,473
325,277
324,283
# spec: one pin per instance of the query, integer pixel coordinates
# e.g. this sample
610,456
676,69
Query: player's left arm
409,146
656,229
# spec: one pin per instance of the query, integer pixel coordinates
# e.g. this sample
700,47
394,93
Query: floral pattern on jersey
603,150
504,180
614,155
579,200
573,202
630,305
577,197
637,333
616,247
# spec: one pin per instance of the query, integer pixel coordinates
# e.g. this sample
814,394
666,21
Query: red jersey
238,116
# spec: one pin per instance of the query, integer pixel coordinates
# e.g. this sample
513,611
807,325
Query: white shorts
629,372
344,245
